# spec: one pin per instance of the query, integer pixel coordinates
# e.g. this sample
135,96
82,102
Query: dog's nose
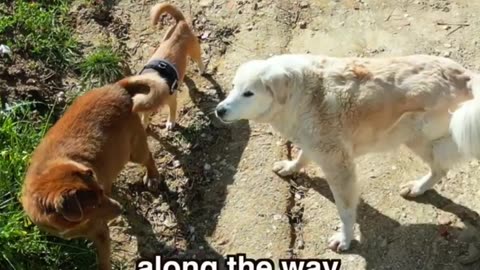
221,111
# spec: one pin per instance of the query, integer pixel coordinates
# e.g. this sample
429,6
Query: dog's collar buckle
166,70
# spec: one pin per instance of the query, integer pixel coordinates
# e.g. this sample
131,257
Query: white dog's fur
336,109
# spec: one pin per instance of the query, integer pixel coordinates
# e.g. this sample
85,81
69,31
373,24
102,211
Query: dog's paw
285,167
170,125
339,242
411,189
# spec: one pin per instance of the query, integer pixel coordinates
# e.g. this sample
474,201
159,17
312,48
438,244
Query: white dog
336,109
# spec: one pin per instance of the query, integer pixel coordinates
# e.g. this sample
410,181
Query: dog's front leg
340,174
172,116
101,240
289,167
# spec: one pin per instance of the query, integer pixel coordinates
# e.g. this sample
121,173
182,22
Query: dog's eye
248,94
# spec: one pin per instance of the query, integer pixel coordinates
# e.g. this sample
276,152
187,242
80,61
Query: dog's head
258,88
68,193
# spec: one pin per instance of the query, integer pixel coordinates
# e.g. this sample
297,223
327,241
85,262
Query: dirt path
228,200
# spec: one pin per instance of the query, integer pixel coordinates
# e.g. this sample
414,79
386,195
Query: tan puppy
68,184
178,43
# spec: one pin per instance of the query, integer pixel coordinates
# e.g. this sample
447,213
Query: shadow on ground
430,246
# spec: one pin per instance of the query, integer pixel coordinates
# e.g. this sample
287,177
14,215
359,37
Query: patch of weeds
100,67
39,30
22,245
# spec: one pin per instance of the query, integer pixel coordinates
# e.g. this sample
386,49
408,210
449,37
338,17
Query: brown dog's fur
178,43
68,184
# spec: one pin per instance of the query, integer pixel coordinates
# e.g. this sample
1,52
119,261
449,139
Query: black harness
166,70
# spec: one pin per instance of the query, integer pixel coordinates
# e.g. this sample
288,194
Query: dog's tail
159,9
465,122
147,92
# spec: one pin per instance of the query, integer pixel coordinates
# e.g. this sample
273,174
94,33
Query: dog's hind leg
436,155
195,53
141,154
289,167
145,118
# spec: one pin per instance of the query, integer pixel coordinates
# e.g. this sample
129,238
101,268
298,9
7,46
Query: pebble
205,35
447,54
206,3
207,167
447,45
303,25
33,81
176,163
304,4
445,219
300,244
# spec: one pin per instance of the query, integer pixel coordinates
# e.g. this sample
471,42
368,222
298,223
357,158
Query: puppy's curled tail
159,9
465,122
147,93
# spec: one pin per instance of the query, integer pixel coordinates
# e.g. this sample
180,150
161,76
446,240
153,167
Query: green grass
39,30
22,245
102,66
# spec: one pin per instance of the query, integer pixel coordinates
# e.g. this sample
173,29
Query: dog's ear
278,81
79,190
71,204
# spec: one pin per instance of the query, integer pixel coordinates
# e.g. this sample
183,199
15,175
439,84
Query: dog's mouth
223,120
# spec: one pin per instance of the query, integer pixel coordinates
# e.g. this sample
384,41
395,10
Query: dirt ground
227,199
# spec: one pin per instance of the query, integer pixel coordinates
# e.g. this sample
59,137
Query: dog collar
166,70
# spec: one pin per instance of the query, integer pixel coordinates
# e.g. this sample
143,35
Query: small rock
304,4
446,27
206,3
255,6
249,27
163,207
447,54
205,35
302,25
33,81
300,244
5,50
207,167
445,219
447,45
176,163
277,217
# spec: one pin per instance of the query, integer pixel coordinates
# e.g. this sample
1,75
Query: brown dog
170,59
68,184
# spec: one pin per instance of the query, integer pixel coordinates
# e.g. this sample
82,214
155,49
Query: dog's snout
221,111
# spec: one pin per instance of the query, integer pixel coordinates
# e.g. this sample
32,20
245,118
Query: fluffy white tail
465,122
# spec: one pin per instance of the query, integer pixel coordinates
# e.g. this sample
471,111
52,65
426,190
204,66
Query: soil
225,198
